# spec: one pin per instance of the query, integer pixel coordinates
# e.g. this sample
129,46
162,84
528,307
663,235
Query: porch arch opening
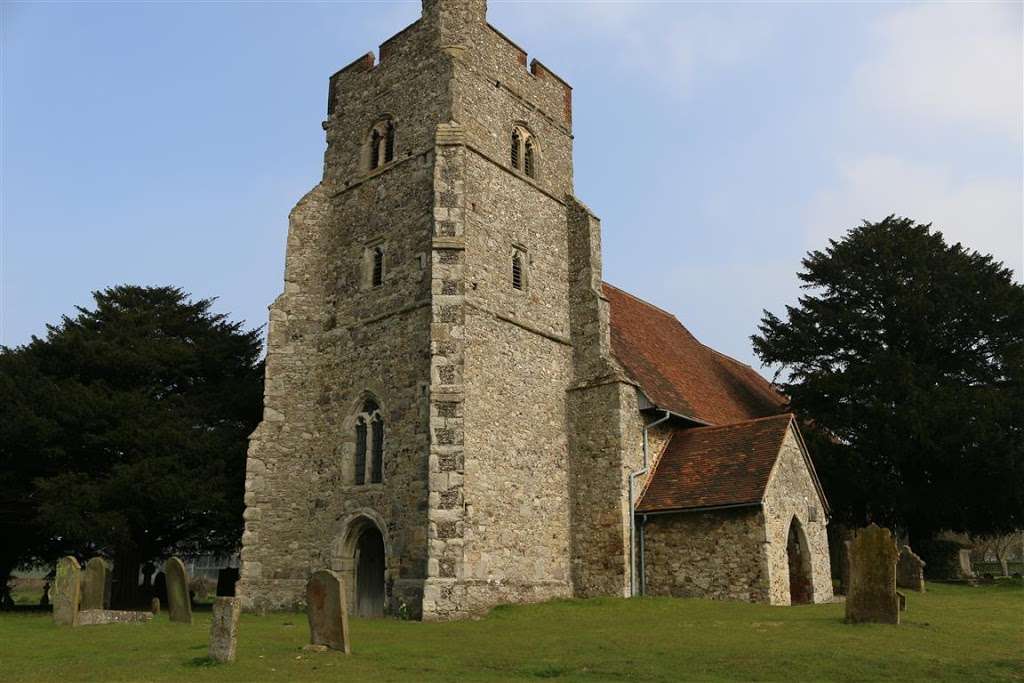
799,556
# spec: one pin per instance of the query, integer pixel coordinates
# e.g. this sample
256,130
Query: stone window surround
518,250
367,421
524,139
384,126
369,255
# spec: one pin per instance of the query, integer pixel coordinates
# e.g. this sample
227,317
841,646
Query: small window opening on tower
374,149
518,272
377,274
381,144
528,157
360,463
377,461
515,148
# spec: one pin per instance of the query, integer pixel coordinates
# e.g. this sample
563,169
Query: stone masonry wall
335,340
791,494
716,554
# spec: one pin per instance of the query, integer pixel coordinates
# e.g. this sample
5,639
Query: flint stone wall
791,494
717,554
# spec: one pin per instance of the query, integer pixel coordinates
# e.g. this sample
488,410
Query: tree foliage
907,357
124,430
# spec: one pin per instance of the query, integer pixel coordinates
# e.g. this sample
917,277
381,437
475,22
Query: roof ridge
650,305
787,414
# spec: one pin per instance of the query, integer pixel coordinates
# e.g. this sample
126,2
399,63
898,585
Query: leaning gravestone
94,584
224,629
66,592
872,594
910,570
179,606
327,611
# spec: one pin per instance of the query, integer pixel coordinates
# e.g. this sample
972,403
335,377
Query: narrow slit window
528,158
377,461
377,275
360,463
517,271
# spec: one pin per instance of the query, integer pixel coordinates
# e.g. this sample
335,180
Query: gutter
636,587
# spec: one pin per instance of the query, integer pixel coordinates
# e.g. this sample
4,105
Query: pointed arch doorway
800,587
369,570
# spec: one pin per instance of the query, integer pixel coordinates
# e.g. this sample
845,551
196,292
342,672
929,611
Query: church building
459,412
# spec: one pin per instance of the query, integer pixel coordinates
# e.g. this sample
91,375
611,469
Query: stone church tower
447,424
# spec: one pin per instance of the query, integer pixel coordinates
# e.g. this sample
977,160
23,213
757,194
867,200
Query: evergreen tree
125,431
906,359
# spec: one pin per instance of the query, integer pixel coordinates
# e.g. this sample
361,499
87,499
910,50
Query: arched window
524,152
381,144
369,441
377,274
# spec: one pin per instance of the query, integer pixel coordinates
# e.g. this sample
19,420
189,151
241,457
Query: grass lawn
954,633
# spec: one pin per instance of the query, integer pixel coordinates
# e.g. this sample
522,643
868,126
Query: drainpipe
635,587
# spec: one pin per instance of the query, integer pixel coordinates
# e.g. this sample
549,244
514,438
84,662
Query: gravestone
327,611
966,570
224,629
95,584
226,579
872,593
154,606
179,606
910,570
66,592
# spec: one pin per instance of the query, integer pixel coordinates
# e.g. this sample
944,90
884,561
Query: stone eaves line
529,328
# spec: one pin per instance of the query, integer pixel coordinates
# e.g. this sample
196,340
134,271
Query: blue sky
165,143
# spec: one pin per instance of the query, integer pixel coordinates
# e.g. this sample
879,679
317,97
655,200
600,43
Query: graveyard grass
951,632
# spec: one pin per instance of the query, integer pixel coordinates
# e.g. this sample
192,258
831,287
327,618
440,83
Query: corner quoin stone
872,595
66,592
327,611
179,606
224,629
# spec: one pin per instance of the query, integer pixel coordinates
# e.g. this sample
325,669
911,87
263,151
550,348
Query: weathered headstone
154,606
966,570
224,629
872,594
179,606
902,599
910,570
66,592
226,579
327,611
95,580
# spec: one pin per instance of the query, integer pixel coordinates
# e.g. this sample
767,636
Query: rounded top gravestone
179,605
66,592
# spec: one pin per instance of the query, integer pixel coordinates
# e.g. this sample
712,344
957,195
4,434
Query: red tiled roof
707,467
678,373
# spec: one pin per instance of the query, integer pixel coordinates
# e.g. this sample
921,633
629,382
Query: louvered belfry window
528,166
517,270
515,148
377,276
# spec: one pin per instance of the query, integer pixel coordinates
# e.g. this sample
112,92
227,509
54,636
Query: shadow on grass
202,662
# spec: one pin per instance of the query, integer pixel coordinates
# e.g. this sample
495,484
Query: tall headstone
224,629
66,592
327,611
95,584
910,570
179,606
872,593
966,570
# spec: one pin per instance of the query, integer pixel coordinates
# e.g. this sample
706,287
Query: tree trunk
125,593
